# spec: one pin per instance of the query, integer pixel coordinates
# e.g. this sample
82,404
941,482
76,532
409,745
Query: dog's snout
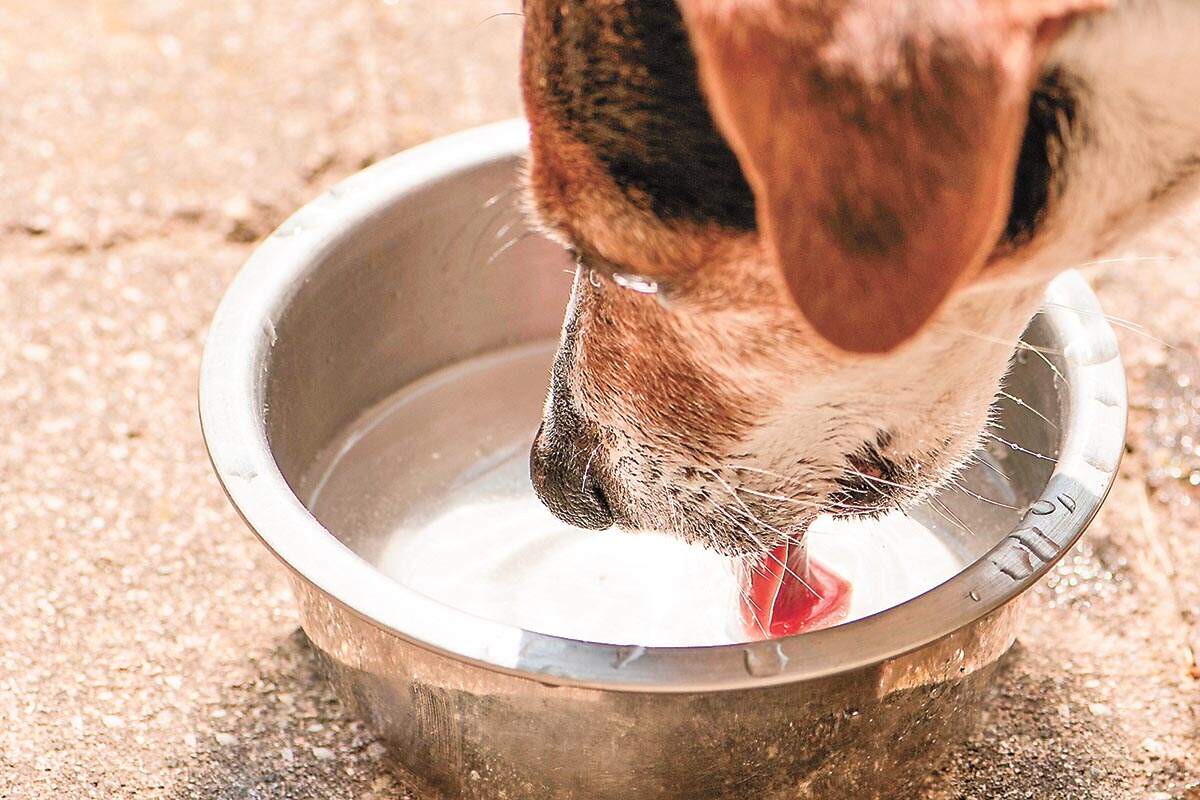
566,479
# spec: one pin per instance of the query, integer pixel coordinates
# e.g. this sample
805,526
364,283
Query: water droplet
627,655
244,471
764,660
289,229
1105,462
1106,396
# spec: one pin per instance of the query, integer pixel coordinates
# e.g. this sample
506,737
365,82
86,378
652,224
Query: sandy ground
148,645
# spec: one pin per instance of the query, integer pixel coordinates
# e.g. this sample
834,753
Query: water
432,488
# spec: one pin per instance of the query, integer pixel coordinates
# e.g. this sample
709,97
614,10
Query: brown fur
880,139
620,377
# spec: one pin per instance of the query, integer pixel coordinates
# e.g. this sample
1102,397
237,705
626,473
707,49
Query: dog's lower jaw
873,437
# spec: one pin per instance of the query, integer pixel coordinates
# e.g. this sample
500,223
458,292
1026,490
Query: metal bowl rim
231,404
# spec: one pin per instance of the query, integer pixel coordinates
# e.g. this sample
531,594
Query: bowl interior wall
450,272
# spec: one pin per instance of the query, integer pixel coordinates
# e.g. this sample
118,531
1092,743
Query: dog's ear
880,139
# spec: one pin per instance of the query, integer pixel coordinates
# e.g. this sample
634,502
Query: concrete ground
148,645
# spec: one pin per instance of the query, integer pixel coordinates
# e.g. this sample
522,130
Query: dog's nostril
567,487
601,499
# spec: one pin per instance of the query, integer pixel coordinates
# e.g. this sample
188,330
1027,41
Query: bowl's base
875,734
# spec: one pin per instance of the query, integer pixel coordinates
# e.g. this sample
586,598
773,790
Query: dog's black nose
566,478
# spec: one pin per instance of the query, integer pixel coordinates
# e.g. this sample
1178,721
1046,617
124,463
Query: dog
810,232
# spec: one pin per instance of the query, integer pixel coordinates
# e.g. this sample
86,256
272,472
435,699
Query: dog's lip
867,487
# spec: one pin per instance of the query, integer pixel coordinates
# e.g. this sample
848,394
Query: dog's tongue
790,593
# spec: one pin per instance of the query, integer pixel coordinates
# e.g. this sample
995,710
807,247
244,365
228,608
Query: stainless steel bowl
393,274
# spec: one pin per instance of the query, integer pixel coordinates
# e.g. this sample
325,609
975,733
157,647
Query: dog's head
807,234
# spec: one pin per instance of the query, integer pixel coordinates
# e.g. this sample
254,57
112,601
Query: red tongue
790,593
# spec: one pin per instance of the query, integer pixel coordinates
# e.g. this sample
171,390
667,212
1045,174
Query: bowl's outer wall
390,276
873,732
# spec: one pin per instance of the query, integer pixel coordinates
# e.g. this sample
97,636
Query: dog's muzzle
566,476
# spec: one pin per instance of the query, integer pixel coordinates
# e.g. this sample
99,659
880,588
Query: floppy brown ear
880,138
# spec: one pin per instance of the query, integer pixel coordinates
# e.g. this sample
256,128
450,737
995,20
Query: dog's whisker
488,227
810,504
744,507
875,478
1038,352
1120,260
984,462
795,501
990,501
1125,324
1019,344
457,236
1019,401
501,195
1019,448
787,479
1037,348
491,17
759,470
504,229
587,467
748,599
509,246
784,478
944,511
767,551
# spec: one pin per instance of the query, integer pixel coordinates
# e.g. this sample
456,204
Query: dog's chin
744,510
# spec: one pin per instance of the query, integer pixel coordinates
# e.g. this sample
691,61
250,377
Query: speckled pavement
148,645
